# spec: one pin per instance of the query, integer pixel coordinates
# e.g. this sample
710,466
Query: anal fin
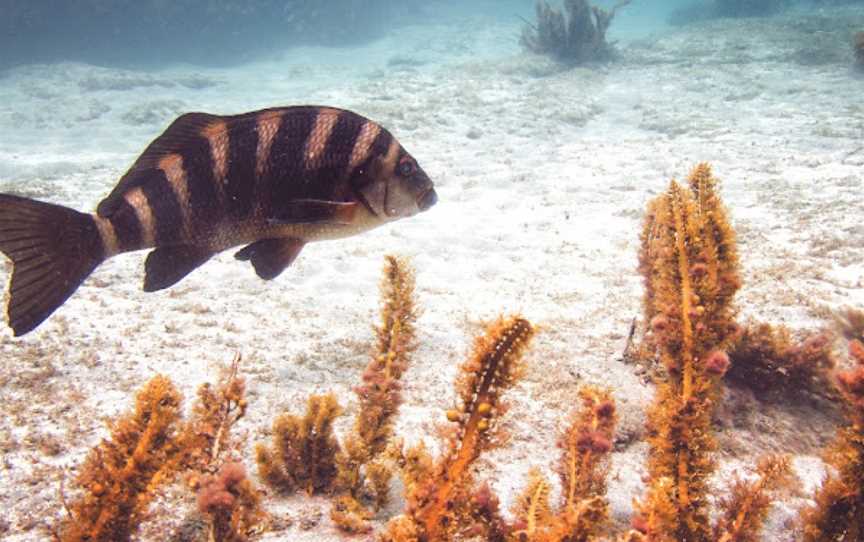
270,257
165,266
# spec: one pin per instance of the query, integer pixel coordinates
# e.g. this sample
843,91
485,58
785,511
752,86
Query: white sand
542,175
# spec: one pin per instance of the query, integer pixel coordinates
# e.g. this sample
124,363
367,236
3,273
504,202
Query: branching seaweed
364,472
439,492
689,263
586,445
119,475
576,38
690,267
745,508
379,394
148,448
303,455
850,321
232,504
307,455
227,498
766,359
839,511
206,435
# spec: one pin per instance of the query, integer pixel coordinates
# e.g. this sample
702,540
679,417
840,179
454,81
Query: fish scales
363,144
127,227
314,149
267,125
284,161
241,175
143,214
205,200
272,180
166,208
216,133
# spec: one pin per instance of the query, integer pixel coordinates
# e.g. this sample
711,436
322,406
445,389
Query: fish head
397,188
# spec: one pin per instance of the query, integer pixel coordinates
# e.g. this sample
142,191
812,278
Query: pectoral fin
165,266
313,211
270,257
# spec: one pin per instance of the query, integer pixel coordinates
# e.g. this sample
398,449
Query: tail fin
52,248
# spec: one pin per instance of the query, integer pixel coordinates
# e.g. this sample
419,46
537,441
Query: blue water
147,33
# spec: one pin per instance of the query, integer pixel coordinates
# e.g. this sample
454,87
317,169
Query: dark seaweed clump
703,10
148,32
576,35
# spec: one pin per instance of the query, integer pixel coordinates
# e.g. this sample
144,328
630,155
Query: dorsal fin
173,139
184,130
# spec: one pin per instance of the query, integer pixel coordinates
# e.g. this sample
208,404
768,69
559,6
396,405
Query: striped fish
271,180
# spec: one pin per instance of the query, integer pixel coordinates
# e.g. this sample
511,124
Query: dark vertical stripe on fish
166,210
204,205
126,227
242,159
285,172
360,176
328,179
381,144
341,142
391,158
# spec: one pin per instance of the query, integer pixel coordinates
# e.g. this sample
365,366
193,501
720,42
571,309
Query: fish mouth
427,199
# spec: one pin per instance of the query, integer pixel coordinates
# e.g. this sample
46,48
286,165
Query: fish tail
53,249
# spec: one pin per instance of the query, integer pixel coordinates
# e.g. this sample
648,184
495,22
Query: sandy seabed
543,174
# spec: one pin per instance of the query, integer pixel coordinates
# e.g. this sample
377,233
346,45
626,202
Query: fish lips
427,199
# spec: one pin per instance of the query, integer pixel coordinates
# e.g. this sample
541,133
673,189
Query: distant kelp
710,9
577,37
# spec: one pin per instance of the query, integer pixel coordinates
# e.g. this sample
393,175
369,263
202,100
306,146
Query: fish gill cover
211,32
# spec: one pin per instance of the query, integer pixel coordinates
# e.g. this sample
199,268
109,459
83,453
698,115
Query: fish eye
406,168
